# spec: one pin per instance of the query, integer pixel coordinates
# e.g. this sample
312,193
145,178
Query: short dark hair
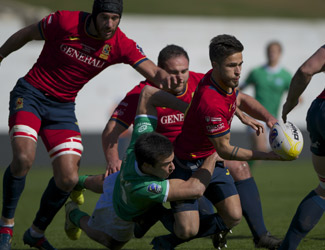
151,148
223,46
170,51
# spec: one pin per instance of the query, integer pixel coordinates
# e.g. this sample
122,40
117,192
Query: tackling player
142,182
206,129
312,207
78,46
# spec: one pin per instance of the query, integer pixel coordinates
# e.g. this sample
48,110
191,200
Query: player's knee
22,163
67,183
232,218
239,170
186,232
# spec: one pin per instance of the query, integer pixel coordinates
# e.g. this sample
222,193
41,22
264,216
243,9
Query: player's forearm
254,108
152,97
18,40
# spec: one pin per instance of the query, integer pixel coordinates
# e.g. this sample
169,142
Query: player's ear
146,168
214,64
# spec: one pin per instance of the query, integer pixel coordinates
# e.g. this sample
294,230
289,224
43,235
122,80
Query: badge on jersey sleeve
154,188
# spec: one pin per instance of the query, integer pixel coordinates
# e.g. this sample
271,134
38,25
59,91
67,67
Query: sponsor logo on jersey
169,119
216,119
154,188
142,128
19,103
141,50
118,112
125,104
105,52
215,128
82,57
74,38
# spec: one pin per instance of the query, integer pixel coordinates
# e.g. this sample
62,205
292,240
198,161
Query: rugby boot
77,196
72,231
219,239
268,241
5,238
38,243
160,243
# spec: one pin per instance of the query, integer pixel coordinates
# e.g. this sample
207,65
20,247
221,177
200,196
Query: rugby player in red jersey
206,129
174,59
78,46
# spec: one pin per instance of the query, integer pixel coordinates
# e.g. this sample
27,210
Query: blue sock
52,200
251,206
12,189
308,213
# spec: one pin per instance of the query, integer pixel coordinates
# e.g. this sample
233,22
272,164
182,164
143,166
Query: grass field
282,186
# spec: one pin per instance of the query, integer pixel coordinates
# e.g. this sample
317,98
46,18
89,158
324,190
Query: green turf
282,186
221,8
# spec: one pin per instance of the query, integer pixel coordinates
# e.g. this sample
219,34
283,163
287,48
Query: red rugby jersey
209,115
71,56
169,121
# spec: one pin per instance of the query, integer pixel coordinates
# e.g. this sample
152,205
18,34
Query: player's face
106,24
227,73
178,66
274,54
164,167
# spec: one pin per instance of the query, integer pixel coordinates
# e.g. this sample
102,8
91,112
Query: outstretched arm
110,137
301,79
157,75
19,39
152,97
252,107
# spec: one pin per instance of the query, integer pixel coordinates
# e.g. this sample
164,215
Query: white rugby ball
286,140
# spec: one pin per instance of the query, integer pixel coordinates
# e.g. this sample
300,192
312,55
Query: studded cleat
268,241
5,238
219,239
72,231
39,243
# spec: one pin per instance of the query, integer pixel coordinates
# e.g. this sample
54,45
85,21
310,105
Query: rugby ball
286,140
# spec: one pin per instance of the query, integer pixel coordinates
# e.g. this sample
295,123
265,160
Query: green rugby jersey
136,192
269,86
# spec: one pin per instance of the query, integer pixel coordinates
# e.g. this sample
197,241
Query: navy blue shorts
221,185
52,119
315,126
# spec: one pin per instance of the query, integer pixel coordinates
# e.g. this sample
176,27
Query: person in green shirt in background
270,82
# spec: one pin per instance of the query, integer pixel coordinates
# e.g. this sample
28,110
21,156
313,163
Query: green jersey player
142,183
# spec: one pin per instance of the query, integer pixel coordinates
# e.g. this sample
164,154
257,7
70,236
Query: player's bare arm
195,186
110,137
20,38
301,79
157,75
151,97
230,152
252,107
249,121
